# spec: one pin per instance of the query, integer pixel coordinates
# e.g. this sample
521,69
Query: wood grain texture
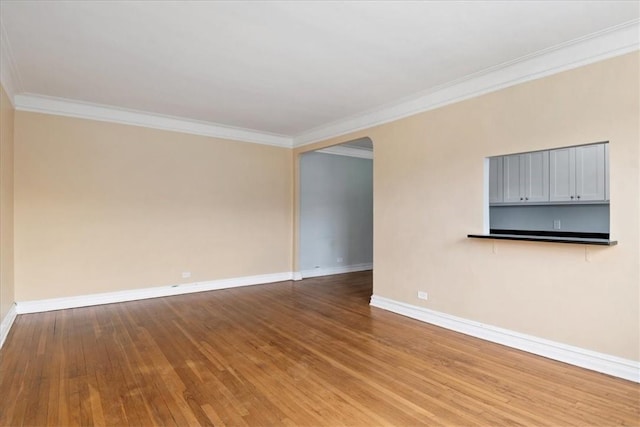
310,353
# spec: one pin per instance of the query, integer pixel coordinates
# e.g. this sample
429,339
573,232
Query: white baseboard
137,294
297,275
317,272
6,324
611,365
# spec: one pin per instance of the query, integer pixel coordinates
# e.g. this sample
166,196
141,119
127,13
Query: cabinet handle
526,198
520,198
571,197
578,197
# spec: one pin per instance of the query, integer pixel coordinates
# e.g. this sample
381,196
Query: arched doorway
335,206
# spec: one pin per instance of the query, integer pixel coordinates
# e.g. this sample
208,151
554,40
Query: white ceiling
284,68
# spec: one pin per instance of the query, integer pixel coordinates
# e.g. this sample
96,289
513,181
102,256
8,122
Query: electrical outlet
556,224
186,274
423,295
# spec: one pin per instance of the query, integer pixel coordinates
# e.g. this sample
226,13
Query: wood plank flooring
309,353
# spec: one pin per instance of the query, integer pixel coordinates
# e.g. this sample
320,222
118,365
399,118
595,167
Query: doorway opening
335,228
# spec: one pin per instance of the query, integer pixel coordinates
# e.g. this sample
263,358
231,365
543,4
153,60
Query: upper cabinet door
606,172
495,180
513,179
536,179
562,182
590,172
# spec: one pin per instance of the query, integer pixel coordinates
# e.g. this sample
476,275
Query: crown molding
9,76
69,108
595,47
611,42
347,151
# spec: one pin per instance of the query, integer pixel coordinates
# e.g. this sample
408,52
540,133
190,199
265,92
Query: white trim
38,306
297,275
6,324
317,272
611,365
104,113
614,41
9,76
347,151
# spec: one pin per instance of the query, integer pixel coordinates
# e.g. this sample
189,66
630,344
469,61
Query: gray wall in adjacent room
577,218
336,211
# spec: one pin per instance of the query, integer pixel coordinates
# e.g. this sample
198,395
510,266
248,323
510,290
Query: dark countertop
601,239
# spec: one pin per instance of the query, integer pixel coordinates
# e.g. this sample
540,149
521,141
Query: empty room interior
320,213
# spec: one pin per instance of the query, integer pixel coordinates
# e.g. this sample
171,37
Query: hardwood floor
309,353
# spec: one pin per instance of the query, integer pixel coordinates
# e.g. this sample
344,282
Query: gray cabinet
606,172
562,174
536,179
495,180
526,177
578,174
590,172
513,184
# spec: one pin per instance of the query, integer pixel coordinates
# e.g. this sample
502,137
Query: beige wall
6,204
428,180
103,207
